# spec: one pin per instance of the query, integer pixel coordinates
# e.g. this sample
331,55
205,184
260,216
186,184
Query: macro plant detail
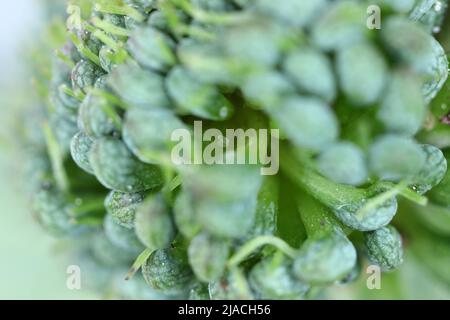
364,140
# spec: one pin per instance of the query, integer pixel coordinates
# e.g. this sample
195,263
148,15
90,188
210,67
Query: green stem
108,107
88,205
405,191
112,114
79,94
316,217
119,10
110,28
168,177
173,184
65,88
257,242
170,14
331,193
141,259
195,32
110,98
240,283
102,36
65,59
85,50
379,200
409,194
210,17
56,158
334,194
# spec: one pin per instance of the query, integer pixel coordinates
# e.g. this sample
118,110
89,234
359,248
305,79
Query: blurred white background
19,21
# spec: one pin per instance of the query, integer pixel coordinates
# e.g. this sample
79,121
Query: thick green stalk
331,193
316,218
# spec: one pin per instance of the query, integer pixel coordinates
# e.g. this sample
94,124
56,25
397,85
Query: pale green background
30,265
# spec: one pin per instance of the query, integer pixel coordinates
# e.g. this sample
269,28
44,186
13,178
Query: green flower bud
141,5
433,170
312,72
325,258
121,236
384,248
213,5
138,87
108,253
80,148
105,58
293,12
153,223
64,127
354,214
208,256
438,73
267,89
394,158
167,271
403,108
202,100
223,204
430,13
342,24
418,49
152,48
63,106
61,75
343,163
38,171
244,43
54,212
440,194
272,278
89,41
207,63
148,134
117,169
327,255
307,122
184,216
123,206
69,50
84,74
94,117
362,72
